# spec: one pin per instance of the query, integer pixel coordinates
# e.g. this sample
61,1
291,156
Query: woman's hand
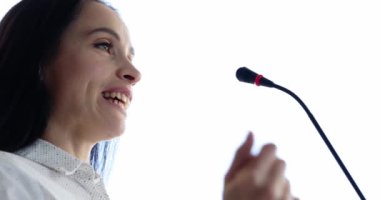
260,177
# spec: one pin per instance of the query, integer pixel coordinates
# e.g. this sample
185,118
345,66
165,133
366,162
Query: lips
119,96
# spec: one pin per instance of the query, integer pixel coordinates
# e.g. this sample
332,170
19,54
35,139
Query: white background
190,113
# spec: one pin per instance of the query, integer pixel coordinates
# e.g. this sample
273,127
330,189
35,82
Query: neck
68,139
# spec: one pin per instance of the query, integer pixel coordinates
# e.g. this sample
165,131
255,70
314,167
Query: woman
66,78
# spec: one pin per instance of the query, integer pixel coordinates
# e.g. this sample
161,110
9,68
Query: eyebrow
104,30
111,32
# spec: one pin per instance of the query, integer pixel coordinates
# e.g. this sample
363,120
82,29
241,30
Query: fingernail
250,134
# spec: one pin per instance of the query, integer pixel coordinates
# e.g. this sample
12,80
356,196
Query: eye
105,46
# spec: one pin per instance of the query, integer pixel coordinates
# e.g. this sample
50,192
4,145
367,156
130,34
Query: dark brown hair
30,35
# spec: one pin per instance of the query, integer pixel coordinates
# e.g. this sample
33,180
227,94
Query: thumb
242,156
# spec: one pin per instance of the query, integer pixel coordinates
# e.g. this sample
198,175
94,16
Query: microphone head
246,75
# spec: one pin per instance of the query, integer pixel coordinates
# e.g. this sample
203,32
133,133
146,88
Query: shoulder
11,163
22,178
15,182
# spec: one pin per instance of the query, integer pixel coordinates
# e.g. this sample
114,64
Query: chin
113,133
111,130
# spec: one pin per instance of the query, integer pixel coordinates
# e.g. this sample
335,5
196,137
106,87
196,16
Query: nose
129,72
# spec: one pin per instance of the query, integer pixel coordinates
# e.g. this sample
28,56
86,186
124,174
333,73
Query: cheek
91,67
75,75
78,68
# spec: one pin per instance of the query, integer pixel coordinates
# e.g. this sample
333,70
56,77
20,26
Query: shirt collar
51,156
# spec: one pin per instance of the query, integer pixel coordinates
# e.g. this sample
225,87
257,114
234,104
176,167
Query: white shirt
43,171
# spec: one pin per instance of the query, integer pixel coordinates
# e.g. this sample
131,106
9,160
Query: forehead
95,15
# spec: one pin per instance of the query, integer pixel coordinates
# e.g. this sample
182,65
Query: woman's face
91,77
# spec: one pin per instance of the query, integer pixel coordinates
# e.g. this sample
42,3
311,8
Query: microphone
244,74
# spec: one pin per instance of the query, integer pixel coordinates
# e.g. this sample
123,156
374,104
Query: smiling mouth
117,98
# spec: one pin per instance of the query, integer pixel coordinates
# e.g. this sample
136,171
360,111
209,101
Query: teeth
121,105
117,95
117,102
113,94
117,98
124,98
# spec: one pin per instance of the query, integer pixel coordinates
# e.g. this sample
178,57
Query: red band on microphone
258,79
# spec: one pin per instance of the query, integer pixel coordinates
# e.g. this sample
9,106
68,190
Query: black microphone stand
325,139
246,75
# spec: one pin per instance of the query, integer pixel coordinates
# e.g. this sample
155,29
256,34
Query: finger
264,162
242,156
286,191
276,180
